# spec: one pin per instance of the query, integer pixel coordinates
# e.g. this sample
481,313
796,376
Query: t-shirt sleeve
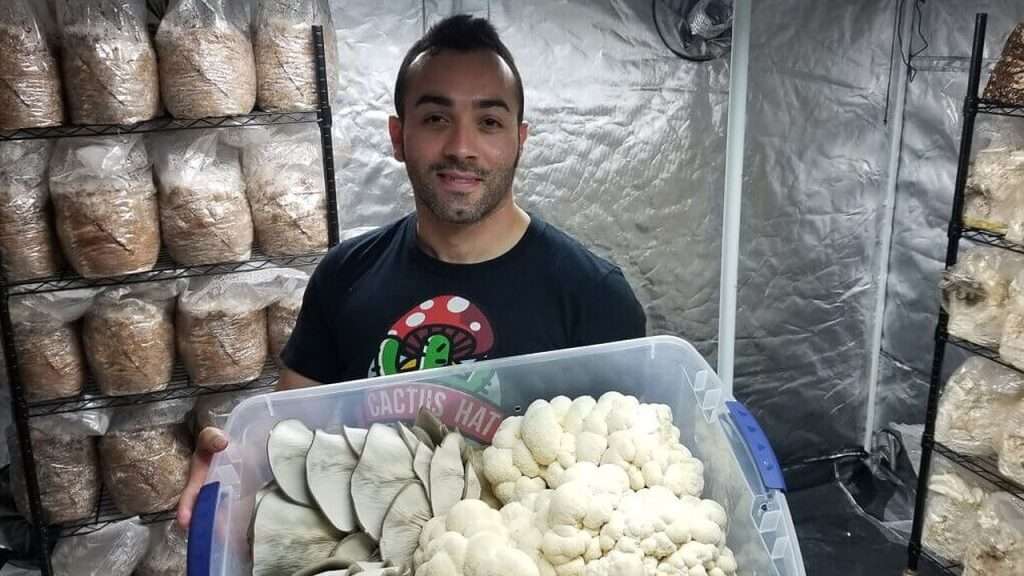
611,312
311,350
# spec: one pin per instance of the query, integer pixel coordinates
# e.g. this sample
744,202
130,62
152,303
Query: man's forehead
449,70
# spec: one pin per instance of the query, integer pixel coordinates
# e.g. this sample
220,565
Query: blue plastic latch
200,531
757,442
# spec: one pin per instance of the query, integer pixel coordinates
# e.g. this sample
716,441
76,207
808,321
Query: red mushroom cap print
457,318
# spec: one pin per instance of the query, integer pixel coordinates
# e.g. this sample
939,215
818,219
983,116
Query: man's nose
461,141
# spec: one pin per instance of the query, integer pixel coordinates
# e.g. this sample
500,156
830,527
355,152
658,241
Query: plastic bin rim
440,373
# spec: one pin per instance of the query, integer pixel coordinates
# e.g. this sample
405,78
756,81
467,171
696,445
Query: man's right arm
292,380
311,355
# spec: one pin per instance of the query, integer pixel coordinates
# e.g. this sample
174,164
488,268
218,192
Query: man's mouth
459,180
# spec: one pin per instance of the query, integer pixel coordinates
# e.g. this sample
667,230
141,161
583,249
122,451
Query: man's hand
211,440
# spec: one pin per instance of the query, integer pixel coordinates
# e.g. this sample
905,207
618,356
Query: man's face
460,138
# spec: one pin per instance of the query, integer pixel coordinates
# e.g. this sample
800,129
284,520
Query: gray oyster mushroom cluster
356,502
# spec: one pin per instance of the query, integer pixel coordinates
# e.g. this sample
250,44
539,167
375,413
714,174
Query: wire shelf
106,514
992,107
162,125
179,388
944,566
982,351
165,269
983,467
990,239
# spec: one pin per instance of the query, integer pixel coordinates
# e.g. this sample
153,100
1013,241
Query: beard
495,186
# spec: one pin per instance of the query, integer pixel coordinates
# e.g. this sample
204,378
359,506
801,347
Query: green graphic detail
436,352
388,356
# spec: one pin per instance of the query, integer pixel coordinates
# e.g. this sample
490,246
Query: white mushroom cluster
596,488
470,540
594,524
532,452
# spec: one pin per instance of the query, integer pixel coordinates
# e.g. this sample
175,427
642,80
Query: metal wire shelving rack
105,512
984,469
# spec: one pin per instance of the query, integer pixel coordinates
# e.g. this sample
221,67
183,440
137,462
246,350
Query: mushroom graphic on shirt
442,331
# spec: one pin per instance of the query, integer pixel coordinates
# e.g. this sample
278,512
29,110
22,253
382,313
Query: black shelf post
22,426
326,123
952,248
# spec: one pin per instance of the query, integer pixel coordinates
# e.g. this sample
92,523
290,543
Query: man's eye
492,123
434,119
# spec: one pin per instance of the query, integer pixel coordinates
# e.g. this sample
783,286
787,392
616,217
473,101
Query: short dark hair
461,33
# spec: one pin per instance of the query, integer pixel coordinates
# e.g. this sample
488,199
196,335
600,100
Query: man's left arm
611,312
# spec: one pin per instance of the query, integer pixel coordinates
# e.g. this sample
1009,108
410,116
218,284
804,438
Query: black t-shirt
377,304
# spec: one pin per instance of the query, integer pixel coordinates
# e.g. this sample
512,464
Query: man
469,275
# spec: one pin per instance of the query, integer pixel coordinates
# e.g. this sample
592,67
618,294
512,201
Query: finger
197,476
211,440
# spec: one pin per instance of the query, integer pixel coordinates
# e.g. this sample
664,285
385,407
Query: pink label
474,417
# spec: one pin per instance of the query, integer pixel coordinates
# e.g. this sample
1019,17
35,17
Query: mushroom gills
286,536
403,523
384,469
423,437
356,438
357,547
472,490
330,463
421,465
432,425
408,437
287,447
447,475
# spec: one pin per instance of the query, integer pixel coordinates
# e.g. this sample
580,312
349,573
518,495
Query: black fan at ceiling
698,30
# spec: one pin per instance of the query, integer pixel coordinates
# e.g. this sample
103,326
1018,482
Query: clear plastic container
741,472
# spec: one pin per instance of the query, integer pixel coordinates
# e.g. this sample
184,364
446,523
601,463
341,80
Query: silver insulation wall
816,161
928,158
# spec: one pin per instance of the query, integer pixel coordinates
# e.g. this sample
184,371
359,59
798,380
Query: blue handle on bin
757,442
200,531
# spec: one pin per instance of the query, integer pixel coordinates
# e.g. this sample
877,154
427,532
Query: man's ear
397,145
524,130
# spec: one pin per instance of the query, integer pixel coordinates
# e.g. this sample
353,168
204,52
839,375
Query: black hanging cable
657,26
897,16
908,60
897,41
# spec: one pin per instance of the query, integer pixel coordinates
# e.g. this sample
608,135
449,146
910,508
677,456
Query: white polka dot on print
427,305
415,320
392,332
458,304
475,326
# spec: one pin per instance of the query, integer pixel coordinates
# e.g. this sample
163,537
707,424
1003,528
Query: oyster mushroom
384,468
447,475
287,536
286,449
421,466
329,466
403,523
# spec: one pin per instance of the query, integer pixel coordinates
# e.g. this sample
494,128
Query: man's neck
494,235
